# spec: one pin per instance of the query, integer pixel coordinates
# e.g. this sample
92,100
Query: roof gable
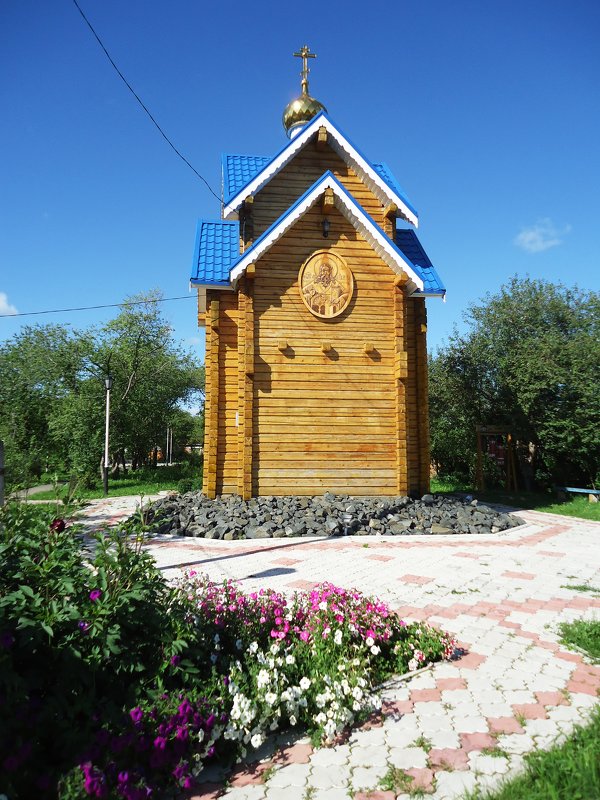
378,178
347,205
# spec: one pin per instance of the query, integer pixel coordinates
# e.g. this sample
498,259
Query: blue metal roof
217,247
239,170
409,244
388,176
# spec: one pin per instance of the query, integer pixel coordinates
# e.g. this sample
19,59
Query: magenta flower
58,525
95,594
83,626
175,660
136,715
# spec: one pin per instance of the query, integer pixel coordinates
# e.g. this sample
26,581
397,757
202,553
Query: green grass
143,481
583,634
581,587
570,771
575,506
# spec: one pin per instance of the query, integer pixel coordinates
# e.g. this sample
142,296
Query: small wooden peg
283,345
326,347
369,347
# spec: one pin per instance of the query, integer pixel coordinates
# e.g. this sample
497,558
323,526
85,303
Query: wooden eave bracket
391,210
328,201
322,138
250,271
248,202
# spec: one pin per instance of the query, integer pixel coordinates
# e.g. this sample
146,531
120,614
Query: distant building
312,288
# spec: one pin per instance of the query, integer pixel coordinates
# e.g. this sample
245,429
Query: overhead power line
133,92
93,308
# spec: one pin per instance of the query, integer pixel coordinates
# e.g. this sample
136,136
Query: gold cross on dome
305,54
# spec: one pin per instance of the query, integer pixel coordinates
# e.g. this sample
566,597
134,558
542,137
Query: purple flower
95,594
136,715
182,733
58,525
83,626
160,743
6,640
185,708
175,660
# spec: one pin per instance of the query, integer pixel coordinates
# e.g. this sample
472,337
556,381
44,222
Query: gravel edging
231,518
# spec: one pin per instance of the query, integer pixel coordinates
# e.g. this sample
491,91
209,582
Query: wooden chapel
312,289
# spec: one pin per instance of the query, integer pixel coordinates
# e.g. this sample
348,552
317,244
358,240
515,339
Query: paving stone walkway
461,724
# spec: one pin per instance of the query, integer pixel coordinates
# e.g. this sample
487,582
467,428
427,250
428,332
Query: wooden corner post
400,375
245,384
422,396
211,412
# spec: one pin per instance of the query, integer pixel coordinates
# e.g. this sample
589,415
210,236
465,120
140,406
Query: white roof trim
345,150
380,243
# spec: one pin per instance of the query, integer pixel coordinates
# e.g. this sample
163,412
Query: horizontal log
353,472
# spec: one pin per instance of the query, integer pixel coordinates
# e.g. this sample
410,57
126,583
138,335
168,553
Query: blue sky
487,113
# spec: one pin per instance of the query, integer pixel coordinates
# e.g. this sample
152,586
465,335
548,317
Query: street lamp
108,382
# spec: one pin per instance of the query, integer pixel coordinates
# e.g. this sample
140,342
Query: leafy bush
74,637
114,684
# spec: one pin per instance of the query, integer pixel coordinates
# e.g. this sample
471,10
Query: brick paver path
461,724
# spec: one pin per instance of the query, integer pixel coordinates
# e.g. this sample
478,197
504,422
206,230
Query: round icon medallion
326,284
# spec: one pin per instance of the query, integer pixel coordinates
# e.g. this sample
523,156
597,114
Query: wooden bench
593,494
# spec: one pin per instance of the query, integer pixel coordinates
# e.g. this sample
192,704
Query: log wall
323,420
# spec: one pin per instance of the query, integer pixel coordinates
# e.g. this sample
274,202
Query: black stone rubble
230,517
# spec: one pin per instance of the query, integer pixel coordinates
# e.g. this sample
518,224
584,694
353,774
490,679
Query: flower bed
115,684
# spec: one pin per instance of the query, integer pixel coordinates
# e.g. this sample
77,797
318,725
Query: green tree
528,361
52,394
39,368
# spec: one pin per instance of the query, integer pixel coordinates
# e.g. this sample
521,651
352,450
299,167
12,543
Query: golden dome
303,108
299,112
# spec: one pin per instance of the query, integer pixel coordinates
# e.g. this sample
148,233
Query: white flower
369,641
253,648
323,605
256,740
289,659
263,679
305,683
213,658
337,637
270,698
293,720
238,644
375,650
357,693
